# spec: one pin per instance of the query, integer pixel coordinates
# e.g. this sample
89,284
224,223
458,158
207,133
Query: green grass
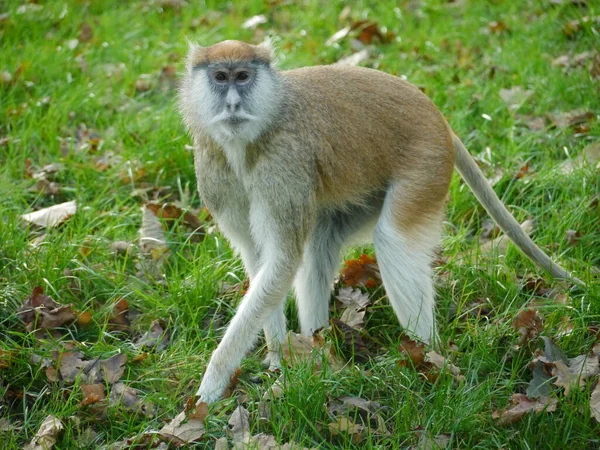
441,46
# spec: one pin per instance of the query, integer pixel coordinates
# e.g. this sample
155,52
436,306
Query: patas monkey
295,164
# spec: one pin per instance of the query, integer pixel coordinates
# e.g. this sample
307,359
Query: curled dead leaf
41,312
528,323
521,405
46,436
363,270
52,216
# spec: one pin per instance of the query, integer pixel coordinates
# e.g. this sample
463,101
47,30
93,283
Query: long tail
470,172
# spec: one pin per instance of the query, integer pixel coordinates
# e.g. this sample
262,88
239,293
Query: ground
87,114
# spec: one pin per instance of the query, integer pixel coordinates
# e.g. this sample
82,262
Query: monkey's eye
221,77
242,76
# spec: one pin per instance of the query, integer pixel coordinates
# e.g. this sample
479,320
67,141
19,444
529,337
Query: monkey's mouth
236,120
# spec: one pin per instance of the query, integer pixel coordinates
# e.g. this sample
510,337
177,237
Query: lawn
88,114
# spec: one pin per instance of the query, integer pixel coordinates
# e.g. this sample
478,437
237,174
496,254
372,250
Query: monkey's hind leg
314,279
405,240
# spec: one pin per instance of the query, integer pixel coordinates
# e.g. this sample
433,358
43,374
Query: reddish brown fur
229,51
390,146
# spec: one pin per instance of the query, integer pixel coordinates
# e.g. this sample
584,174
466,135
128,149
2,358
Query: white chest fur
235,152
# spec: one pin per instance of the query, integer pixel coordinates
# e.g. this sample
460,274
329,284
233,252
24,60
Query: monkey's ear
196,55
266,49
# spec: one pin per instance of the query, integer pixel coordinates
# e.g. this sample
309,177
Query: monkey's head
230,90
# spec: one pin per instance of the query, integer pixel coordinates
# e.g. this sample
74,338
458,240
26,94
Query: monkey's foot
272,361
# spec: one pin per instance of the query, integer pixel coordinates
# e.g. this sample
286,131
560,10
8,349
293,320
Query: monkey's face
232,101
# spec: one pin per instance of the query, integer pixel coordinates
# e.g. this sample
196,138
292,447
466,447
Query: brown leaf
92,393
575,26
590,156
239,425
120,394
85,33
353,297
528,323
427,441
46,436
297,348
119,319
361,411
354,59
171,213
157,338
442,364
415,352
521,405
572,237
595,67
84,318
368,32
498,27
182,430
363,270
595,403
499,245
353,347
345,426
515,96
40,311
571,118
143,84
579,369
52,216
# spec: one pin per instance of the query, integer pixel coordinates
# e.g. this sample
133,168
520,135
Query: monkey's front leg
267,290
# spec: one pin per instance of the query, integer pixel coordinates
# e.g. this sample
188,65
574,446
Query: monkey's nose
234,106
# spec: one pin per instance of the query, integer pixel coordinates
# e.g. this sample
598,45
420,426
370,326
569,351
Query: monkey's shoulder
348,77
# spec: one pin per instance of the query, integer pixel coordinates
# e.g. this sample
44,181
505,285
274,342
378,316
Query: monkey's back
368,129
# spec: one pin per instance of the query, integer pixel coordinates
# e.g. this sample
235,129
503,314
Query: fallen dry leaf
414,351
521,405
41,312
345,426
297,348
120,394
119,319
427,441
72,365
153,243
572,237
239,425
590,156
157,338
571,118
368,32
182,430
595,403
442,364
528,324
499,245
573,27
497,27
363,270
349,296
86,33
52,216
254,21
354,59
578,370
353,345
361,411
338,36
515,96
46,436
